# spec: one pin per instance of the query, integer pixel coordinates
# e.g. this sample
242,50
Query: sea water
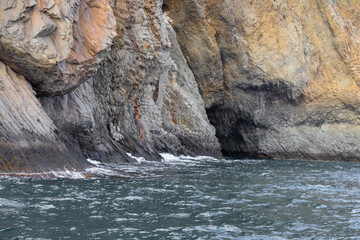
187,198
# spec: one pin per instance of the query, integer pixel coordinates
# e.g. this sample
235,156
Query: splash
142,168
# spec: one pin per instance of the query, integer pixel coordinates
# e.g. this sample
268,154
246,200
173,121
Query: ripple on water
44,206
6,203
131,198
179,215
188,198
189,203
210,214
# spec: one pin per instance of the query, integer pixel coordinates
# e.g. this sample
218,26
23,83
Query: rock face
56,45
280,79
150,94
99,78
110,78
29,139
79,115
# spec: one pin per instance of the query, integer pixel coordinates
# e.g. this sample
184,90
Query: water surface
188,199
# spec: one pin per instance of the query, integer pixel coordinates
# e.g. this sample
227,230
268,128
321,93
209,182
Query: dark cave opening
232,128
165,7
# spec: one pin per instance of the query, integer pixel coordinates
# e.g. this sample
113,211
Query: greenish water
189,199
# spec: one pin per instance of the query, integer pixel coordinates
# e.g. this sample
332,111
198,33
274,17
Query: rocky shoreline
100,78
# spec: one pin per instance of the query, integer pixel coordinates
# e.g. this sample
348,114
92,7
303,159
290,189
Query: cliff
99,78
106,78
280,79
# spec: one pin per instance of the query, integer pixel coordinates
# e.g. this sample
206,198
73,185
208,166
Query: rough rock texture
110,77
29,139
55,44
150,94
280,79
81,117
277,79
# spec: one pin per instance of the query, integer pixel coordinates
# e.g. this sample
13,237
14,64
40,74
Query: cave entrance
165,7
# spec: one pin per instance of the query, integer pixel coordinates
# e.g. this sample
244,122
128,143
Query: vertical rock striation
286,81
29,139
110,77
151,96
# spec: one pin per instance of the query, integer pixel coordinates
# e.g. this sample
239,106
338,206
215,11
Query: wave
142,168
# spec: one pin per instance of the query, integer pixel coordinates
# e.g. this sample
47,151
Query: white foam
138,159
182,160
186,160
65,173
142,167
101,171
68,174
96,163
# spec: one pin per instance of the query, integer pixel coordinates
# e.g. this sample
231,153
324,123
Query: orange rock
56,45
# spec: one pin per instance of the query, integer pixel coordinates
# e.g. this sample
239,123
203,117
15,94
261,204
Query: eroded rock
56,45
279,79
80,115
289,71
140,97
29,140
151,97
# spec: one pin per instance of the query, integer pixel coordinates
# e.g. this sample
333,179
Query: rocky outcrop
110,77
79,115
99,78
56,45
150,94
280,79
29,139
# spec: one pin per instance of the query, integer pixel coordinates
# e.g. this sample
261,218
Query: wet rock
105,92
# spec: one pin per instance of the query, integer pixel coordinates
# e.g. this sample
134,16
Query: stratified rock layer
277,79
110,77
280,79
29,139
150,94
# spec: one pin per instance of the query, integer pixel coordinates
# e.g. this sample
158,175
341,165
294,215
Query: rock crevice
101,78
110,77
289,72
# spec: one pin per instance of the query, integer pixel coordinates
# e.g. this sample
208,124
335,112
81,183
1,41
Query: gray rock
150,95
80,116
29,140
